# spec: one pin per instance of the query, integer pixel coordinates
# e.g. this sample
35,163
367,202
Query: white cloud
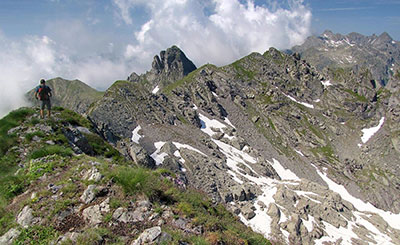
232,30
208,31
23,63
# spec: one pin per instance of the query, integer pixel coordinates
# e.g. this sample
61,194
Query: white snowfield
159,156
369,132
135,134
237,159
262,221
155,90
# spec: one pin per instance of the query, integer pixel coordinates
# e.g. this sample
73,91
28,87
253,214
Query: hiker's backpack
43,93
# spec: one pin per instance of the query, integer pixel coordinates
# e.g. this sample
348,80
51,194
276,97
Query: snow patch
226,120
326,83
155,90
262,221
285,174
299,152
301,103
369,132
234,177
207,124
309,223
135,134
180,146
157,155
392,219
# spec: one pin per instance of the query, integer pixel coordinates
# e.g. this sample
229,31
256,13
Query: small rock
25,217
89,194
180,223
36,138
105,205
69,236
93,215
9,237
125,216
148,236
93,174
50,142
54,188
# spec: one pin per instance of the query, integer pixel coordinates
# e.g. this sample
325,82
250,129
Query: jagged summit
168,67
172,60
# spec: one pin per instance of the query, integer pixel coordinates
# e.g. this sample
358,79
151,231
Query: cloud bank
208,31
215,31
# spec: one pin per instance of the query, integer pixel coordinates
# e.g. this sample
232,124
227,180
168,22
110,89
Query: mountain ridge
261,132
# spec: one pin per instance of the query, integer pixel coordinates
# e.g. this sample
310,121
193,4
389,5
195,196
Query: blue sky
100,41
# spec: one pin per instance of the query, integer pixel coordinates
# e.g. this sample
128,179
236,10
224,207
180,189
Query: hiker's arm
36,95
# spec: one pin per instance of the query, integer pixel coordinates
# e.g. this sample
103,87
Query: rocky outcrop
170,66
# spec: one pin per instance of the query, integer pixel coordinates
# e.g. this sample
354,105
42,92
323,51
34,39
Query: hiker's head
42,81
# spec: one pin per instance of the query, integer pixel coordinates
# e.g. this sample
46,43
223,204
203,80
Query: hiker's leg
42,109
48,108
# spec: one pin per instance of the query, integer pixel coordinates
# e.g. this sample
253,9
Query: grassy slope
63,168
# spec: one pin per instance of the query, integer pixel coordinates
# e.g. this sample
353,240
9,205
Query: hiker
43,93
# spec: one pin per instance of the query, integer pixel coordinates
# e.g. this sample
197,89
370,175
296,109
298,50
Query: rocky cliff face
298,154
379,54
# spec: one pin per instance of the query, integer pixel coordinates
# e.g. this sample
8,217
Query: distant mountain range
379,54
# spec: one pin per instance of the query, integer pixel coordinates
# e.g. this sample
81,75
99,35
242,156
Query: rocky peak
172,61
383,39
171,65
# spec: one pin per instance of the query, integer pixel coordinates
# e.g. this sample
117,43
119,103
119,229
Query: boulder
25,217
149,236
141,156
93,215
89,194
9,237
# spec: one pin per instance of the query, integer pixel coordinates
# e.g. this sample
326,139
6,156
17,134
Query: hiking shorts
45,103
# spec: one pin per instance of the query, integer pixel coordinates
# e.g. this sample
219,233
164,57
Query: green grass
40,235
187,79
138,181
241,71
13,119
74,118
6,219
359,97
102,148
51,150
30,136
